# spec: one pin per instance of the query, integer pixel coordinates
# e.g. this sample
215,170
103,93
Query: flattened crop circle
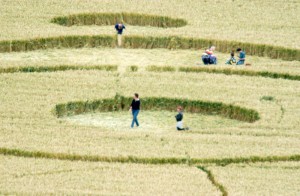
151,103
103,19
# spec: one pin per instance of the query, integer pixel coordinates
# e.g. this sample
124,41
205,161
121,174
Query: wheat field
268,22
139,57
97,153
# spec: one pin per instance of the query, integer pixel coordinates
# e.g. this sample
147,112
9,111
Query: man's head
212,48
179,108
232,53
136,96
239,50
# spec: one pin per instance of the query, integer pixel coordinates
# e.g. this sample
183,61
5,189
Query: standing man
119,28
242,57
135,108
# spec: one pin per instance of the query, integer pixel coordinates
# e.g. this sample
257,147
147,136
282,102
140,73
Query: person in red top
208,57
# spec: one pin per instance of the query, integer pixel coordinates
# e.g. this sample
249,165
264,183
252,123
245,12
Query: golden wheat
29,126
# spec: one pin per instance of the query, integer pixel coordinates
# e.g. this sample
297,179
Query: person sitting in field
179,118
232,60
208,56
119,28
242,57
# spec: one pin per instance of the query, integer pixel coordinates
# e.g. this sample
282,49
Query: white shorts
179,124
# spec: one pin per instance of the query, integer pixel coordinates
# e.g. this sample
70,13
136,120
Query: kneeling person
179,118
231,60
242,57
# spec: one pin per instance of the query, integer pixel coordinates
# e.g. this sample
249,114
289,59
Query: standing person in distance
119,28
179,118
135,109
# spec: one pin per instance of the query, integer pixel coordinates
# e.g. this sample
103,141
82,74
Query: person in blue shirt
119,28
242,57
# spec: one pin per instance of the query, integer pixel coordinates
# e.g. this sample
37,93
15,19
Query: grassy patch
267,98
113,18
241,72
57,42
155,68
29,69
133,68
141,160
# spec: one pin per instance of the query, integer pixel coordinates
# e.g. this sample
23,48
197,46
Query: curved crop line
212,179
151,68
241,72
151,103
113,18
56,172
226,71
154,68
29,69
142,160
44,173
147,42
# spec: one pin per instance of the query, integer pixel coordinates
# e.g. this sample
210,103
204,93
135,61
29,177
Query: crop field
65,89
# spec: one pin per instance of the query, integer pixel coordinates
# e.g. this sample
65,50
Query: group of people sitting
209,58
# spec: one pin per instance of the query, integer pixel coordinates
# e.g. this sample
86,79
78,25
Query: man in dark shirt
119,28
135,108
179,118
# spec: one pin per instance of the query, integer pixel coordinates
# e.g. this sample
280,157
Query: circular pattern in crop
102,19
120,103
237,135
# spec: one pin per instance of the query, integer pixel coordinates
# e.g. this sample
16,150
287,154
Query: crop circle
103,19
